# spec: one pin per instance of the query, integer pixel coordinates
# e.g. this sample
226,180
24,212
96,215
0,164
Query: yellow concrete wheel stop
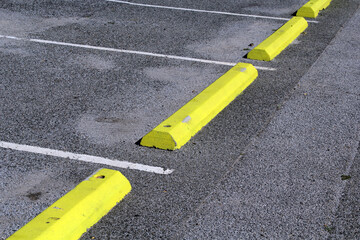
178,129
312,8
279,40
71,216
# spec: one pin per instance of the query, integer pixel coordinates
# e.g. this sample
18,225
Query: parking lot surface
91,78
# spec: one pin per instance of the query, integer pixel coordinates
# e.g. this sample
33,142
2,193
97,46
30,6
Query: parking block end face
279,40
159,138
260,53
312,8
71,216
178,129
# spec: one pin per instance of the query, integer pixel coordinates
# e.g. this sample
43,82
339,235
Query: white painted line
203,11
85,158
264,68
128,51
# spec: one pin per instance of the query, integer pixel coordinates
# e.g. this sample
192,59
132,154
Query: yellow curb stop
312,8
71,216
178,129
279,40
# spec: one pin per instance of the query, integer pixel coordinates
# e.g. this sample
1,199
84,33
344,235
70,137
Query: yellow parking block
279,40
178,129
71,216
311,9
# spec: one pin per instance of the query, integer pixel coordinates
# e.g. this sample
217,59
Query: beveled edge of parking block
312,8
73,214
279,40
178,129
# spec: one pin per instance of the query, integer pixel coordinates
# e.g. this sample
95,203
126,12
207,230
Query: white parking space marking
130,52
85,158
203,11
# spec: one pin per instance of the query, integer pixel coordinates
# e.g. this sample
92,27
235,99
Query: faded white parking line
203,11
85,158
129,51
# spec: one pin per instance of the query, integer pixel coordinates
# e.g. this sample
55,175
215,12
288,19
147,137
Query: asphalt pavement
280,162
